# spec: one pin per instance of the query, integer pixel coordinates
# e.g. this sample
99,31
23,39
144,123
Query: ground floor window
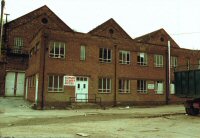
172,89
55,83
104,85
124,86
159,87
141,86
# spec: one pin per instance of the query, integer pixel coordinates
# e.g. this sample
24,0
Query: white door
10,84
26,96
20,84
36,88
81,89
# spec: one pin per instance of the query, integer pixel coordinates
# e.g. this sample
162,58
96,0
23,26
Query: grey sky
136,17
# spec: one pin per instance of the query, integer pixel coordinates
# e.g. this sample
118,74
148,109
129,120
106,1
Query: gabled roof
44,10
110,29
158,37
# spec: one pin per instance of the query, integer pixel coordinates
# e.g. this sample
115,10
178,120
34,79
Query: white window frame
124,86
107,87
142,59
172,88
188,63
159,87
104,52
142,86
18,44
53,53
124,57
158,60
82,52
53,89
173,61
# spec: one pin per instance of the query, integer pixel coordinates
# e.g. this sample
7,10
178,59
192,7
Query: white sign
69,80
151,86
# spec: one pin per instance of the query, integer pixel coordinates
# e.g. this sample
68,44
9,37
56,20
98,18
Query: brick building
108,65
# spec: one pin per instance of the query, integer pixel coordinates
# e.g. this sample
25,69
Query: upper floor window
55,83
124,86
142,59
105,55
57,50
124,57
104,85
158,60
159,87
141,86
188,63
18,44
174,61
82,52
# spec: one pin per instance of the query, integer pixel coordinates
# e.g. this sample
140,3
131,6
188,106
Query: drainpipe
115,77
168,73
1,33
43,69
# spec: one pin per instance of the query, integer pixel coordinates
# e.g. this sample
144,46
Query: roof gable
158,37
110,29
44,10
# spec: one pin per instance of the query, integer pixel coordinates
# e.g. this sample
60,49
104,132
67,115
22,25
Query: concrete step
85,106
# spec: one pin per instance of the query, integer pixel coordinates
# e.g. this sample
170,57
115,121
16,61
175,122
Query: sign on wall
69,80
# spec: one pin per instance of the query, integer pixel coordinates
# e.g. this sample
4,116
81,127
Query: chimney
1,33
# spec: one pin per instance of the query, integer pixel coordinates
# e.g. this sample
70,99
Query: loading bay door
14,84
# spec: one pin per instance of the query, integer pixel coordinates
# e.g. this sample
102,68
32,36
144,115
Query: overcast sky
180,18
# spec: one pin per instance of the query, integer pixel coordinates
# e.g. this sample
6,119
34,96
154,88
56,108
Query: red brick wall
72,65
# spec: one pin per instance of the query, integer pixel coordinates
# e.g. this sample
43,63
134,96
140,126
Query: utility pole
1,33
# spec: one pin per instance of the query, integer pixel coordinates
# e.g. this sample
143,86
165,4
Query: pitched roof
110,29
158,37
44,10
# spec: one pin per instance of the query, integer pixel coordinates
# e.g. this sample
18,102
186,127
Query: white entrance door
10,84
81,89
36,88
20,84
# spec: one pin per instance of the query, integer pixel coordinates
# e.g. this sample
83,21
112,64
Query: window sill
104,92
124,92
55,92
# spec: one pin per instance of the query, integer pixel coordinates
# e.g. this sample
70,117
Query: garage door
10,84
14,84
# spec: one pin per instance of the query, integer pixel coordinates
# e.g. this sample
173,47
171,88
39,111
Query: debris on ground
82,134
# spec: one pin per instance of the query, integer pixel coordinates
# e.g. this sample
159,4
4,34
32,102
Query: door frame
82,79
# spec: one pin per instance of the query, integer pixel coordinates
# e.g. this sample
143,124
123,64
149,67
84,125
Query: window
124,86
104,85
141,86
57,50
18,44
158,60
55,83
124,57
82,53
159,87
142,59
173,61
188,63
172,89
105,55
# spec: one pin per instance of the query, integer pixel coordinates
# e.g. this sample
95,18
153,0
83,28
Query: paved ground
18,120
